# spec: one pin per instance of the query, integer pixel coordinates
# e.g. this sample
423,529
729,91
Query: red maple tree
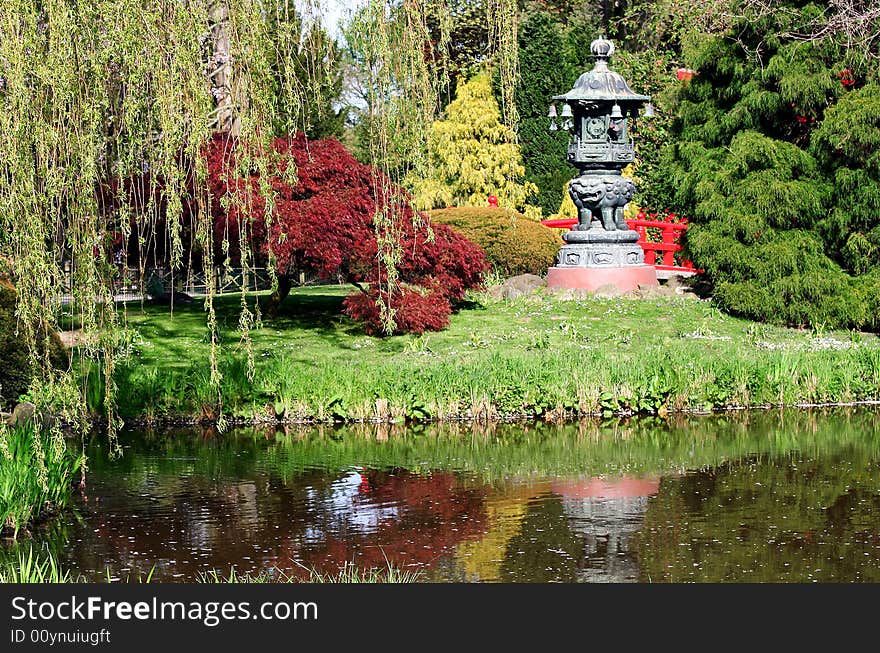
322,223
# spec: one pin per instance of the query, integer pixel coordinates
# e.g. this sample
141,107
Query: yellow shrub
513,243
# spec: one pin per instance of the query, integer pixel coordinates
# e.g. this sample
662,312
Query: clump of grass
348,573
35,478
31,567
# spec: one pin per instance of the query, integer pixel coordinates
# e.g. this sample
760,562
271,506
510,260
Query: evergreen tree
545,70
847,144
772,159
472,155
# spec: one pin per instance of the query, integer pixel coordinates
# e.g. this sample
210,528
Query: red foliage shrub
323,223
414,312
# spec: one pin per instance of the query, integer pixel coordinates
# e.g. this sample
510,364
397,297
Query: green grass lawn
536,355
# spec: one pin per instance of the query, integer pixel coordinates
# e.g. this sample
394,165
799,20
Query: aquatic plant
347,573
34,567
36,478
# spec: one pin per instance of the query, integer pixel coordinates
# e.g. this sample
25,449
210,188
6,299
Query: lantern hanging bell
615,111
649,111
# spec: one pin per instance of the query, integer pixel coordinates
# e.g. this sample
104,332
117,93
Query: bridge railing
660,240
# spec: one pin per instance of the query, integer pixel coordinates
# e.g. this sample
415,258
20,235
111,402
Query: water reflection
793,496
605,513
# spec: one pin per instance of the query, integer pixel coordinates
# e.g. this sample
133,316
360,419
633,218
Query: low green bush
514,244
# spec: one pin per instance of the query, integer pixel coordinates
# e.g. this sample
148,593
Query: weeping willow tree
404,54
108,105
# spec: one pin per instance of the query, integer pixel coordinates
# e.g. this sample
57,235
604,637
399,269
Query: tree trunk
220,71
273,305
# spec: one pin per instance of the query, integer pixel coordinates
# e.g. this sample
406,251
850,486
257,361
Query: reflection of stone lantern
600,249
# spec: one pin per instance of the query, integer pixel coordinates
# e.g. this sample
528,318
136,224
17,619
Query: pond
755,496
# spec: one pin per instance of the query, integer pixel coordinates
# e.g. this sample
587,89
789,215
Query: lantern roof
601,84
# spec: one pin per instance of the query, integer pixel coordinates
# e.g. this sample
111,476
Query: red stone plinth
625,278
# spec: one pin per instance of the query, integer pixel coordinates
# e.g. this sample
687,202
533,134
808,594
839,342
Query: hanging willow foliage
107,106
407,69
404,78
503,26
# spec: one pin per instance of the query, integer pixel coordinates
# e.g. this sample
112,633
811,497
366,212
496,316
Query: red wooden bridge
660,240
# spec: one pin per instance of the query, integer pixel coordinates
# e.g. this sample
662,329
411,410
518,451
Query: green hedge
513,243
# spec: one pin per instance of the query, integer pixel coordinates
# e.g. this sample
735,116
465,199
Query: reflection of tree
194,523
405,518
481,559
190,503
546,549
764,520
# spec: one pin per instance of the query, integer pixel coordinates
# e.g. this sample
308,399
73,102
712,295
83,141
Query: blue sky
334,10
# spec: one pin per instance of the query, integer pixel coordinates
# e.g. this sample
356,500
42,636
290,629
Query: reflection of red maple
434,514
404,518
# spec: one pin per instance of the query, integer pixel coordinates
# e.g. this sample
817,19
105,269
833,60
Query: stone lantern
600,250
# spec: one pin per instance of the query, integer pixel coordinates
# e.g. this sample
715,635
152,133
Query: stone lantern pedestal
595,258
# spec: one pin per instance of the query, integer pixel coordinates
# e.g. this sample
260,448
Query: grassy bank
533,356
35,479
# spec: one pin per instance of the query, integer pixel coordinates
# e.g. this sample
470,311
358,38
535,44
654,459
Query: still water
790,496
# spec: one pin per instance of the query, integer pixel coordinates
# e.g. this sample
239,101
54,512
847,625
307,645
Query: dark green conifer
775,159
546,69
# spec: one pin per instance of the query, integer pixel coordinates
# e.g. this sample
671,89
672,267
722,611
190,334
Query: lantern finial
602,50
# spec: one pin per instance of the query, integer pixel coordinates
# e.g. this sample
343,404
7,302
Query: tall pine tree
545,70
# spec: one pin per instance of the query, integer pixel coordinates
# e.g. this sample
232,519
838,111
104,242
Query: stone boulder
522,284
23,413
